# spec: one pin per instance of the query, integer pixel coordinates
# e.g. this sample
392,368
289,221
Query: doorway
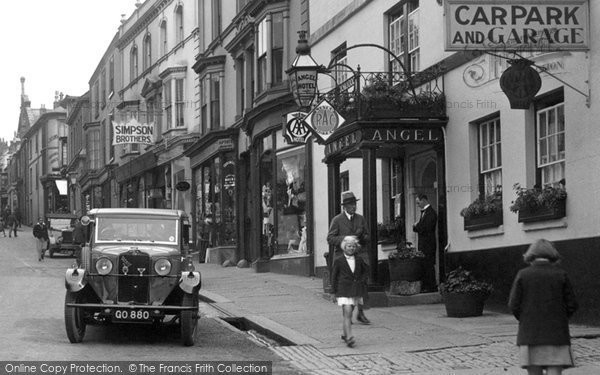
423,179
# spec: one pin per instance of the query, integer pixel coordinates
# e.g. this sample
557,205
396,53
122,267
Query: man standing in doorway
349,223
425,229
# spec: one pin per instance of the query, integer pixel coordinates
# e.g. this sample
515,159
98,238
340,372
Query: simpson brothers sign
133,132
528,25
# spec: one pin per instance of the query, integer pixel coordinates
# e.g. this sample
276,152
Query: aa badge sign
295,129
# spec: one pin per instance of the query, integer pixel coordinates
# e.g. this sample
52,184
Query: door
422,172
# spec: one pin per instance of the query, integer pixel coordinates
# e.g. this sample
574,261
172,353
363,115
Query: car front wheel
74,319
189,320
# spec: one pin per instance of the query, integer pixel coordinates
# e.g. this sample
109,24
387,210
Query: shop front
214,164
278,214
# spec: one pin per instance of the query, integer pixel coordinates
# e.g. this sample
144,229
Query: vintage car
60,234
136,268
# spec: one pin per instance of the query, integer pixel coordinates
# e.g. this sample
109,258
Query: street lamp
303,73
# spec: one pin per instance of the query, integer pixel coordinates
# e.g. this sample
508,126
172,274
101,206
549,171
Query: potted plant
463,294
406,263
483,212
389,231
405,266
537,203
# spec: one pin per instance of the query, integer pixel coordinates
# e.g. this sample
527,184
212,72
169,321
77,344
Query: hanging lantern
520,82
303,73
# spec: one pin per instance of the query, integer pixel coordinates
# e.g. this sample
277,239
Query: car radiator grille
134,268
67,236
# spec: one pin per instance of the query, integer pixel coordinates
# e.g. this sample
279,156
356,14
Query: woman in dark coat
348,283
542,300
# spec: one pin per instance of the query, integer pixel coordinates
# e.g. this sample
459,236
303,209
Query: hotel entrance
399,161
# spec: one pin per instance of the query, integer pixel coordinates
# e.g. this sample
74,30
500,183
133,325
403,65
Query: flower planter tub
460,305
410,269
491,220
544,213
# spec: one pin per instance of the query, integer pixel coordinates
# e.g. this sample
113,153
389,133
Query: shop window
490,157
215,201
550,139
291,202
267,201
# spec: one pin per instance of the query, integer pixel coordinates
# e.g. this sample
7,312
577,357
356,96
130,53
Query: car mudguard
189,281
75,279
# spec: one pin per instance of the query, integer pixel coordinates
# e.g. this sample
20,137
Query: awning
135,167
62,187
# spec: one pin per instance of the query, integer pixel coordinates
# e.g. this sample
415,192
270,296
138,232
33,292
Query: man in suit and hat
425,229
349,223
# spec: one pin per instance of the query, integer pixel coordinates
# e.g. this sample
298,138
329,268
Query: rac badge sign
324,119
527,25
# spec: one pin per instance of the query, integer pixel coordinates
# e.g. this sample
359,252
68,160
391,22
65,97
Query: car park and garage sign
528,25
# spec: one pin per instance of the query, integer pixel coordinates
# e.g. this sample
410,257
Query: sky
56,45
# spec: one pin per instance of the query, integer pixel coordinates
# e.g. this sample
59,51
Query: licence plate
131,315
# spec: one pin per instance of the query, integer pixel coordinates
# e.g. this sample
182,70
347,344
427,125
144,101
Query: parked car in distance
136,268
60,234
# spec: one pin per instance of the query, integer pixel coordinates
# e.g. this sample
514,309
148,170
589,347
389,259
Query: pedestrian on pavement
11,223
425,229
2,226
349,283
18,217
40,232
542,300
349,223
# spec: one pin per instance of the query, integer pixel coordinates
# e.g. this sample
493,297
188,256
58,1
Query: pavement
418,339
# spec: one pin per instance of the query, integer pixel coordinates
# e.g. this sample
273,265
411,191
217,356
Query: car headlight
59,240
104,266
162,266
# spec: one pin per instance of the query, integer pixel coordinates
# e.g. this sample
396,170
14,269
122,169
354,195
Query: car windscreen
136,229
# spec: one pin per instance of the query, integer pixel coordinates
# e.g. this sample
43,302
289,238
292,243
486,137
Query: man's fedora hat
348,197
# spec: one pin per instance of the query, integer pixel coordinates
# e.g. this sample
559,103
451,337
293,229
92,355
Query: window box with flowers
540,204
483,212
463,294
380,99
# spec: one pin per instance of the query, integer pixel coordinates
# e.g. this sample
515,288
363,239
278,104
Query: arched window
179,24
147,51
163,38
133,63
